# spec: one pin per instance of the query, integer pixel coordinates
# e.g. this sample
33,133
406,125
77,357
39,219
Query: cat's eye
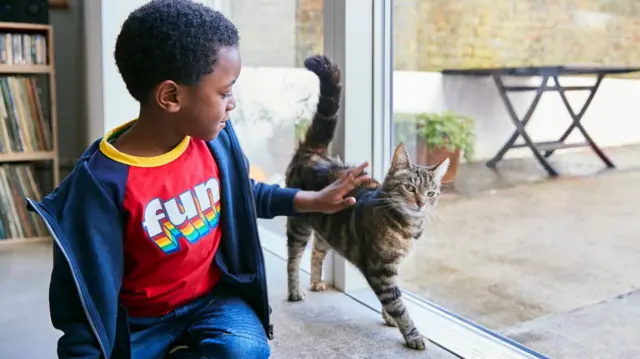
409,188
431,194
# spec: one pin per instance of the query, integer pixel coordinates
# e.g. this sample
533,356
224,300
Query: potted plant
300,129
438,135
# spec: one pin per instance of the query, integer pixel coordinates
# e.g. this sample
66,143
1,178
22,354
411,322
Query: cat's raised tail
323,126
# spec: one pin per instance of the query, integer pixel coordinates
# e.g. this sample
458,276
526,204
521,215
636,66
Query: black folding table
542,150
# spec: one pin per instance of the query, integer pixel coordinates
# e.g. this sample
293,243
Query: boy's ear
167,96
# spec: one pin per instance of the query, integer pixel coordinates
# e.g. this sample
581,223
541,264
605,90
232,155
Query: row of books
23,49
24,119
17,182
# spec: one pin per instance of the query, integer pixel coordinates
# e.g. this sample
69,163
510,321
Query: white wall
109,101
611,120
68,25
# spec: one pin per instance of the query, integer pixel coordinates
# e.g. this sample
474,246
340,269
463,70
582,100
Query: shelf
26,156
49,155
7,242
23,26
25,69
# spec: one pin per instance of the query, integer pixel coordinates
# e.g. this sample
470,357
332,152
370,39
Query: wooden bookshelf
27,156
29,124
24,69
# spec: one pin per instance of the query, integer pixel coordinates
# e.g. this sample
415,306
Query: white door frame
357,36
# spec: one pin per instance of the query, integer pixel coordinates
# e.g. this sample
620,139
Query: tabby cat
374,234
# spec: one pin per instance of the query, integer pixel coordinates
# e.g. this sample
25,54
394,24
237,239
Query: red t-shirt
172,211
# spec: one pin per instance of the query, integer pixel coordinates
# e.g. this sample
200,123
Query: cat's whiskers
387,204
438,215
430,216
414,213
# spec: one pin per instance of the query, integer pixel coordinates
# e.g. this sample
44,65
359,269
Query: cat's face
416,188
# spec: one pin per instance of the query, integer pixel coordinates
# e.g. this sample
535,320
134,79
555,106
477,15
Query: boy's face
206,106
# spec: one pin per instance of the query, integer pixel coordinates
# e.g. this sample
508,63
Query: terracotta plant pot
435,156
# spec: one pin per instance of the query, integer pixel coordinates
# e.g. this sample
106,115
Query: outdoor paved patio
547,262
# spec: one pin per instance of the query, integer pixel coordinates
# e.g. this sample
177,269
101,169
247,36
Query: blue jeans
218,326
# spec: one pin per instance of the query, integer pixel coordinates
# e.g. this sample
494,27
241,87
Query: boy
155,228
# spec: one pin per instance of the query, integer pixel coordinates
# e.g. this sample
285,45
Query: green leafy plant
300,127
447,130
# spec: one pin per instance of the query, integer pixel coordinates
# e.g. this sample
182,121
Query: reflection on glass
276,95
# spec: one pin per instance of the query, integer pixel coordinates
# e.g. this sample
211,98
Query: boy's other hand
332,199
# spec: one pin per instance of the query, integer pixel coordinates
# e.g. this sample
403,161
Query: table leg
577,117
520,125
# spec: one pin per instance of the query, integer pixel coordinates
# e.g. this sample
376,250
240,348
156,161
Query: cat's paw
416,342
319,286
296,295
388,320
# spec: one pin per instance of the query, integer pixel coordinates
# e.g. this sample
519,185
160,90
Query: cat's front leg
394,309
320,249
298,234
388,320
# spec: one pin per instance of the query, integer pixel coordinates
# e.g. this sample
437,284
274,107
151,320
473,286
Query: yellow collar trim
110,151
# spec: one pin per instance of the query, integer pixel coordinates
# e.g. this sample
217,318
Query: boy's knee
226,346
235,346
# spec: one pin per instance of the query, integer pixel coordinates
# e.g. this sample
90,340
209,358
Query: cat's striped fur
378,231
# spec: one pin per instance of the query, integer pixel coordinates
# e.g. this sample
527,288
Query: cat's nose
420,203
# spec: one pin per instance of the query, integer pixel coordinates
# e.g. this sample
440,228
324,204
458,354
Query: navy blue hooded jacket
86,224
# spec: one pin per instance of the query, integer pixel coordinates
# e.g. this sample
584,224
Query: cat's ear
400,158
441,169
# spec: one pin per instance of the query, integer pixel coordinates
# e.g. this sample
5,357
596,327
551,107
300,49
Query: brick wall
309,28
430,35
267,31
277,32
471,33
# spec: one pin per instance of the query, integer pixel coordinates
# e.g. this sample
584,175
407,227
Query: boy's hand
331,198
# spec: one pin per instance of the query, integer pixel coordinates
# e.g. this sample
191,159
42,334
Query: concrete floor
547,262
476,178
532,248
608,329
327,325
534,251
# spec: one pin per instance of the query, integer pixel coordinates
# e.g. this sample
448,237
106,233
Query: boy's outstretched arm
67,315
273,200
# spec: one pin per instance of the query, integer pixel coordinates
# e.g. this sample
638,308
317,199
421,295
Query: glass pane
509,248
276,95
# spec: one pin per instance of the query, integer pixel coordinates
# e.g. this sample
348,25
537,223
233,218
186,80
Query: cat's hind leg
382,279
298,234
320,249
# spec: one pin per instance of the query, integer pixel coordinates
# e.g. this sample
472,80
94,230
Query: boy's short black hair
176,40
